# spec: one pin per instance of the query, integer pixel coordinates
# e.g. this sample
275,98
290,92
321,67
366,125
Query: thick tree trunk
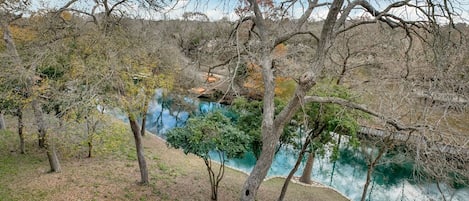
2,121
269,134
139,146
52,156
41,124
272,126
306,176
20,130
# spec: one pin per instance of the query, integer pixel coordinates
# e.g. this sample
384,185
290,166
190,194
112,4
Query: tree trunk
49,146
306,176
144,117
90,149
272,126
2,121
371,168
139,146
52,156
367,182
332,172
269,134
20,130
90,132
295,168
144,121
41,124
335,161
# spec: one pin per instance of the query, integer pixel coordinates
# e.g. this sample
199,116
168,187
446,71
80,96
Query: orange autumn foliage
280,51
211,79
253,83
66,16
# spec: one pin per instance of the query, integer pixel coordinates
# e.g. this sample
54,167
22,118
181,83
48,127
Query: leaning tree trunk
2,121
20,129
52,156
49,146
306,176
371,168
272,126
295,168
138,144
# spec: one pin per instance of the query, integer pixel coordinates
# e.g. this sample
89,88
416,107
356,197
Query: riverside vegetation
113,175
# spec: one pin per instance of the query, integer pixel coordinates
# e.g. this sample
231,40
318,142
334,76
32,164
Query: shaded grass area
113,174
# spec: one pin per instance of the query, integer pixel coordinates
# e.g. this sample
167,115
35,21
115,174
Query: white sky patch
219,9
217,14
408,13
319,14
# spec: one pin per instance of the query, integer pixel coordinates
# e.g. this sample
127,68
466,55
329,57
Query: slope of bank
113,175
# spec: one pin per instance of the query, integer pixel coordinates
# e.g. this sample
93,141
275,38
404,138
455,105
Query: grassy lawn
113,174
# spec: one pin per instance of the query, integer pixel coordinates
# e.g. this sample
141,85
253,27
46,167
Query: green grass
15,165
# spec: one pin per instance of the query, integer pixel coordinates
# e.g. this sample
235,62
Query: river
347,175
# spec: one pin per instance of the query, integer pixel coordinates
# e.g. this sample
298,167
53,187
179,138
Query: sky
218,9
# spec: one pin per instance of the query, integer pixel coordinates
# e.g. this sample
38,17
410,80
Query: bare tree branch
290,35
301,21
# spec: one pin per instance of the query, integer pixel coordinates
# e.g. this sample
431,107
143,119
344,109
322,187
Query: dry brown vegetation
114,175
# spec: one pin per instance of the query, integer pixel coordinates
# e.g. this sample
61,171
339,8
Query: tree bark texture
139,147
306,176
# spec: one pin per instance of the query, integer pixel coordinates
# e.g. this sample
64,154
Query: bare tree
332,26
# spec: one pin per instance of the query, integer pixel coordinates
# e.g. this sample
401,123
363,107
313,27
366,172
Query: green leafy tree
249,120
319,121
212,132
